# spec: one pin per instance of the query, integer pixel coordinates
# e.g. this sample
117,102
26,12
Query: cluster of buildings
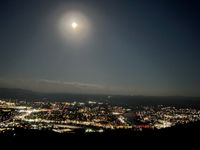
162,117
62,116
89,116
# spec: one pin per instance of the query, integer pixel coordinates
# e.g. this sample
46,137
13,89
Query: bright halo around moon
75,28
74,25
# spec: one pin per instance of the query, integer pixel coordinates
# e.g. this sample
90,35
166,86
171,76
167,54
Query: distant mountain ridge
14,93
17,93
21,94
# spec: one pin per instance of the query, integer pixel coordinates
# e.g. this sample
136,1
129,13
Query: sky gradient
129,47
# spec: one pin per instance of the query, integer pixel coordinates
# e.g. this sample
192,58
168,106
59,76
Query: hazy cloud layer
54,86
44,85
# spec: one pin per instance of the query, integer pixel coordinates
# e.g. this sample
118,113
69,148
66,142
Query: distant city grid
90,116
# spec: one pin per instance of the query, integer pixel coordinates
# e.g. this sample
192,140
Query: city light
67,117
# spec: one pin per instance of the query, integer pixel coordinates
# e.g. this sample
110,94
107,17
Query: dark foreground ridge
181,135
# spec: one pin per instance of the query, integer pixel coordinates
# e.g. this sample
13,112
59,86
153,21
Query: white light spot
74,25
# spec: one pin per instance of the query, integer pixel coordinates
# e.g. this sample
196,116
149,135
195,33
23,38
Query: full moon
74,25
75,28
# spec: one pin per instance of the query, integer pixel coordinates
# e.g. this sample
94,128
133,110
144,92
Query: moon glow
74,25
75,28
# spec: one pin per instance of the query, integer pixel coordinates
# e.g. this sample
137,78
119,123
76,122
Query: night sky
130,47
